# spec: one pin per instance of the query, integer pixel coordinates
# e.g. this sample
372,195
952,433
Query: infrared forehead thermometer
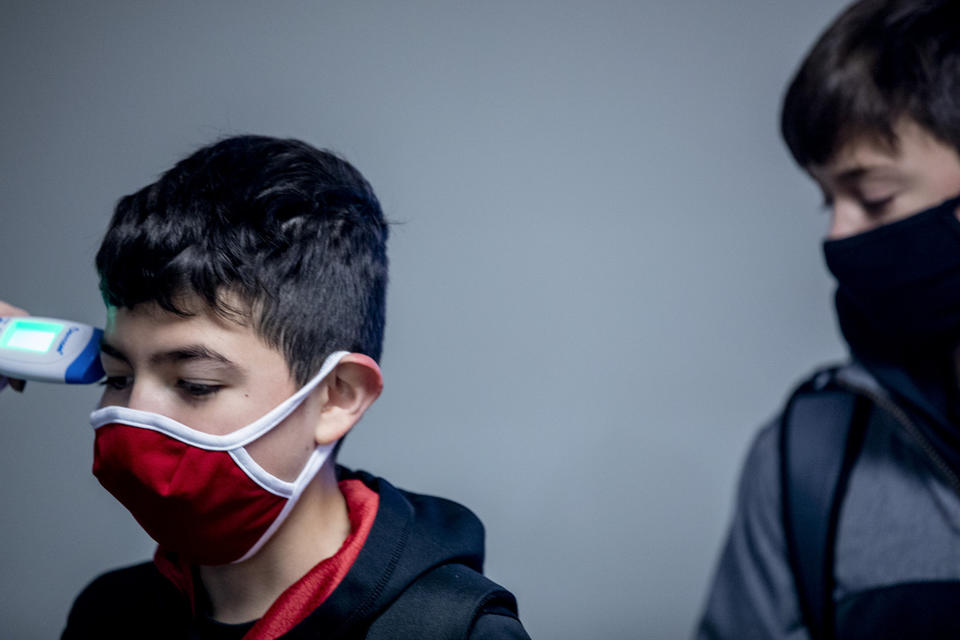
49,350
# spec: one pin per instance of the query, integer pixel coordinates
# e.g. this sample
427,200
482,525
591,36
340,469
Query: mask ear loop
289,490
313,465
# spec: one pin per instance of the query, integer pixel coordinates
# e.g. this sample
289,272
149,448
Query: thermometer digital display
49,350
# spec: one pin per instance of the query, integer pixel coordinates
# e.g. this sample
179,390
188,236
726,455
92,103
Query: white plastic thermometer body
49,350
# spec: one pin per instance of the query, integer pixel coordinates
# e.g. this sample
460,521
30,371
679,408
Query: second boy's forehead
913,153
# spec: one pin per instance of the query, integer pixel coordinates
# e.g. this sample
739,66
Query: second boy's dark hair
293,234
879,61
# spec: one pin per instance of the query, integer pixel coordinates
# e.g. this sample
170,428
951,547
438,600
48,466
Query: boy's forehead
147,333
864,149
876,150
230,311
149,326
850,162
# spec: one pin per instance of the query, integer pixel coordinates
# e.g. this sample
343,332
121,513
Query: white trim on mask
240,437
261,476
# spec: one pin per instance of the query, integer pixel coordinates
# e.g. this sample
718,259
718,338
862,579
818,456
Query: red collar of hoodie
308,593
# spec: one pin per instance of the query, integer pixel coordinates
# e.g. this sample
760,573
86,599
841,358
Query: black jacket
411,535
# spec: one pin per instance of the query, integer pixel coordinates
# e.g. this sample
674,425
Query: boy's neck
314,531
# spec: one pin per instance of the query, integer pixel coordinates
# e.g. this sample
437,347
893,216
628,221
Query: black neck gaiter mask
898,286
898,305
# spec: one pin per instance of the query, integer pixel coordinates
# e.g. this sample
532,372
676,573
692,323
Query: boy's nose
847,219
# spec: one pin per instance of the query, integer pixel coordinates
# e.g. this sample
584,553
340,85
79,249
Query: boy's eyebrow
112,351
851,174
188,352
854,173
192,352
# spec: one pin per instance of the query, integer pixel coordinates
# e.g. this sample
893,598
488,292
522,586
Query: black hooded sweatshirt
411,535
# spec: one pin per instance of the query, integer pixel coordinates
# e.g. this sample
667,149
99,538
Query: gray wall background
606,277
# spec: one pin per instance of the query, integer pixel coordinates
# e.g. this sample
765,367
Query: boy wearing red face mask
847,518
245,295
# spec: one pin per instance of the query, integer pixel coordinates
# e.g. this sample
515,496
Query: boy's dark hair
881,60
294,234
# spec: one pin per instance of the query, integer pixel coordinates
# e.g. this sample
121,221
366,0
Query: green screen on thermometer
30,335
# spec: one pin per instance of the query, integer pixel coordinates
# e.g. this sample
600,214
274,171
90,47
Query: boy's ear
351,387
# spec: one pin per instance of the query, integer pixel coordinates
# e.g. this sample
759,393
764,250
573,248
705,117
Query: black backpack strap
441,604
821,433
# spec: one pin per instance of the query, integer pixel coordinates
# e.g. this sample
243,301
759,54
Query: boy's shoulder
428,552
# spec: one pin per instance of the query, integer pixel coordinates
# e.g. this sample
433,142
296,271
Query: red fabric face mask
199,495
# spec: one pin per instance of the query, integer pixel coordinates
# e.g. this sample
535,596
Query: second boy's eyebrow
854,174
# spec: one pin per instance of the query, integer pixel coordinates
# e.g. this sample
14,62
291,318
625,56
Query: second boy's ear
350,388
